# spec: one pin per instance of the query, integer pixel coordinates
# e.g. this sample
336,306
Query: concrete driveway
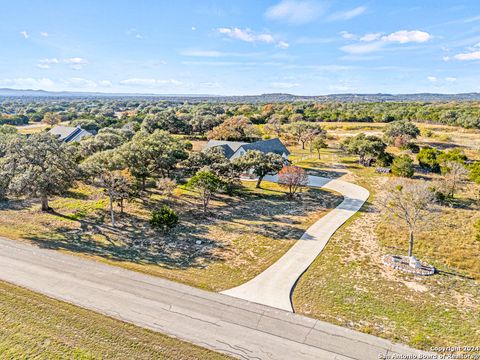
273,287
232,326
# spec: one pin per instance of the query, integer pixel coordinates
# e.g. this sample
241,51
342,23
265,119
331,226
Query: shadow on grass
449,273
192,244
441,145
333,174
131,240
15,204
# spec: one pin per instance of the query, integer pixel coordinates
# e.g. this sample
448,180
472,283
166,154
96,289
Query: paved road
273,286
232,326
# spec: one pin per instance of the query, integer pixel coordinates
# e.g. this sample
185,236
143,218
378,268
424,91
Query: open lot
240,238
33,326
348,284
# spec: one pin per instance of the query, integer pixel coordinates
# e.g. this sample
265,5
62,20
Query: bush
410,146
164,218
166,186
444,137
14,120
439,193
402,166
427,133
384,159
428,159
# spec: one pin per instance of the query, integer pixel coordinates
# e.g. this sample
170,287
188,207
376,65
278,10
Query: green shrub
384,159
443,137
427,133
410,146
439,194
428,159
164,218
402,166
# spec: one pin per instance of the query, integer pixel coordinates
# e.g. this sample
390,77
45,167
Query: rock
198,242
413,262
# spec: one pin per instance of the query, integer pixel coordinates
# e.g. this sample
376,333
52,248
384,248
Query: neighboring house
235,149
68,134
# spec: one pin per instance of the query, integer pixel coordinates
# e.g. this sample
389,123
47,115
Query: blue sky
309,47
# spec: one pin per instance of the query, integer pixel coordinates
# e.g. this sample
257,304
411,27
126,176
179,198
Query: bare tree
293,178
455,174
410,202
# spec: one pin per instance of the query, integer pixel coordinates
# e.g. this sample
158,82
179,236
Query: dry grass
33,326
239,238
348,285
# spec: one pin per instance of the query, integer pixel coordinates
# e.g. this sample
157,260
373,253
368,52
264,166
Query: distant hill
264,98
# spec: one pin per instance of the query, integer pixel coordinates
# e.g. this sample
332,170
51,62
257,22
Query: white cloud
451,79
81,83
210,85
475,55
407,36
24,34
217,54
28,83
194,28
75,60
284,85
248,35
45,63
362,48
44,34
376,41
50,61
347,35
432,78
134,32
202,53
245,35
446,58
105,83
75,63
150,82
371,37
295,12
348,14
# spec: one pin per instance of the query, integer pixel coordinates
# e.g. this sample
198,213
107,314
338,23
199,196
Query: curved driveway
273,287
232,326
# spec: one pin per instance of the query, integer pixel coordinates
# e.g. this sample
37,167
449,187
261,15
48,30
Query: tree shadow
15,204
194,243
131,240
450,273
333,174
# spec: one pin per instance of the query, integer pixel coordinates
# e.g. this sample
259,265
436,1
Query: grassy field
33,326
237,240
348,284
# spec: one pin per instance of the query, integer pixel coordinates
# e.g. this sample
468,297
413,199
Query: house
68,134
235,149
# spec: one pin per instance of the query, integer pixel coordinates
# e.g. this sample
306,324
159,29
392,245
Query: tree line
198,118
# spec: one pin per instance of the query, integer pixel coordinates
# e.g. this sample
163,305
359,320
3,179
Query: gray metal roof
69,133
267,146
234,145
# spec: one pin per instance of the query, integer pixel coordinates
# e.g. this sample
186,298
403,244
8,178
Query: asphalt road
273,286
232,326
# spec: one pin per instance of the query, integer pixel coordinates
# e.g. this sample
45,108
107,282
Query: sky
305,47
